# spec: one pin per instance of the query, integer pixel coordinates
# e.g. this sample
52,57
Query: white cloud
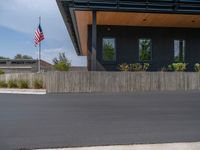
22,16
55,50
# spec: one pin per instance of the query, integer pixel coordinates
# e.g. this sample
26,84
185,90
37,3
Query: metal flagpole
39,61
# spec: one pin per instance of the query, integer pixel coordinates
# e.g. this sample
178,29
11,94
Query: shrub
23,84
197,67
177,67
62,66
3,84
139,67
12,84
38,84
1,72
170,68
124,67
163,69
135,67
145,66
61,63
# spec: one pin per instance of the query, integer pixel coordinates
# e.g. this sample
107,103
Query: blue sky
19,20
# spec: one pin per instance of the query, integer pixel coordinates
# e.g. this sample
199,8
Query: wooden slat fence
59,82
62,82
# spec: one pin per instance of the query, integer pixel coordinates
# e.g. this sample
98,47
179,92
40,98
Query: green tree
27,57
1,57
20,56
61,63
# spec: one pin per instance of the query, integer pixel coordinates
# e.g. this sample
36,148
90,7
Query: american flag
39,36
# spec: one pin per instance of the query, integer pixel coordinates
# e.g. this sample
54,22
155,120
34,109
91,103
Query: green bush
177,67
23,84
145,66
170,68
124,67
61,63
3,84
197,67
135,67
12,84
62,66
139,67
1,72
38,84
163,69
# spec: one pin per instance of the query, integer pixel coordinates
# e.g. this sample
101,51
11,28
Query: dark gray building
23,66
111,32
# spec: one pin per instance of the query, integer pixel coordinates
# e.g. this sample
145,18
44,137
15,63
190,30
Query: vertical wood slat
24,76
62,82
122,81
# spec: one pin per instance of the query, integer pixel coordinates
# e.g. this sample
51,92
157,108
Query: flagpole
39,61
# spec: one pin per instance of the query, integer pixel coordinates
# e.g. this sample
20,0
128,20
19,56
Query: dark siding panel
193,48
162,48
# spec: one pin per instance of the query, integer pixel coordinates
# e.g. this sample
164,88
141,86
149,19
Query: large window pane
179,50
109,51
145,49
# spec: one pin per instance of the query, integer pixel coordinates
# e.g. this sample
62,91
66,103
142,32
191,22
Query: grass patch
3,84
1,72
38,84
12,84
23,84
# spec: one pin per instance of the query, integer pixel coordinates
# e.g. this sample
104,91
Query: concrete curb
23,91
171,146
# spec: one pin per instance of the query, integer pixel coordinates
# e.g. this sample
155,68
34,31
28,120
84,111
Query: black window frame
115,50
141,38
184,50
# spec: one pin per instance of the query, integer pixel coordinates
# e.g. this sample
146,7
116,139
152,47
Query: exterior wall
23,66
16,70
127,45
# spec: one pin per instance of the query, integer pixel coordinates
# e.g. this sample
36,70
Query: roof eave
70,27
68,12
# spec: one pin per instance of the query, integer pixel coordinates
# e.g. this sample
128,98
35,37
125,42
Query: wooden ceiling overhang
84,19
77,15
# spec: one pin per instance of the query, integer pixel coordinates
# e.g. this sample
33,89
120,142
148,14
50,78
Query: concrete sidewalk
23,91
172,146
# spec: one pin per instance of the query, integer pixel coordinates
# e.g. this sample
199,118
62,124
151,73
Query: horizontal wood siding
60,82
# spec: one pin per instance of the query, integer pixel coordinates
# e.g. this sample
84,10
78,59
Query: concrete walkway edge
169,146
23,91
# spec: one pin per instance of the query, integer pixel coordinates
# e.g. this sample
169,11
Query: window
109,51
145,49
2,62
179,50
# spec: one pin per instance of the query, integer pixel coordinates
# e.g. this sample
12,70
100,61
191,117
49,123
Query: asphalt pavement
73,120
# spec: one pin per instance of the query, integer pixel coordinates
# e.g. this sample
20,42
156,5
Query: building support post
94,42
